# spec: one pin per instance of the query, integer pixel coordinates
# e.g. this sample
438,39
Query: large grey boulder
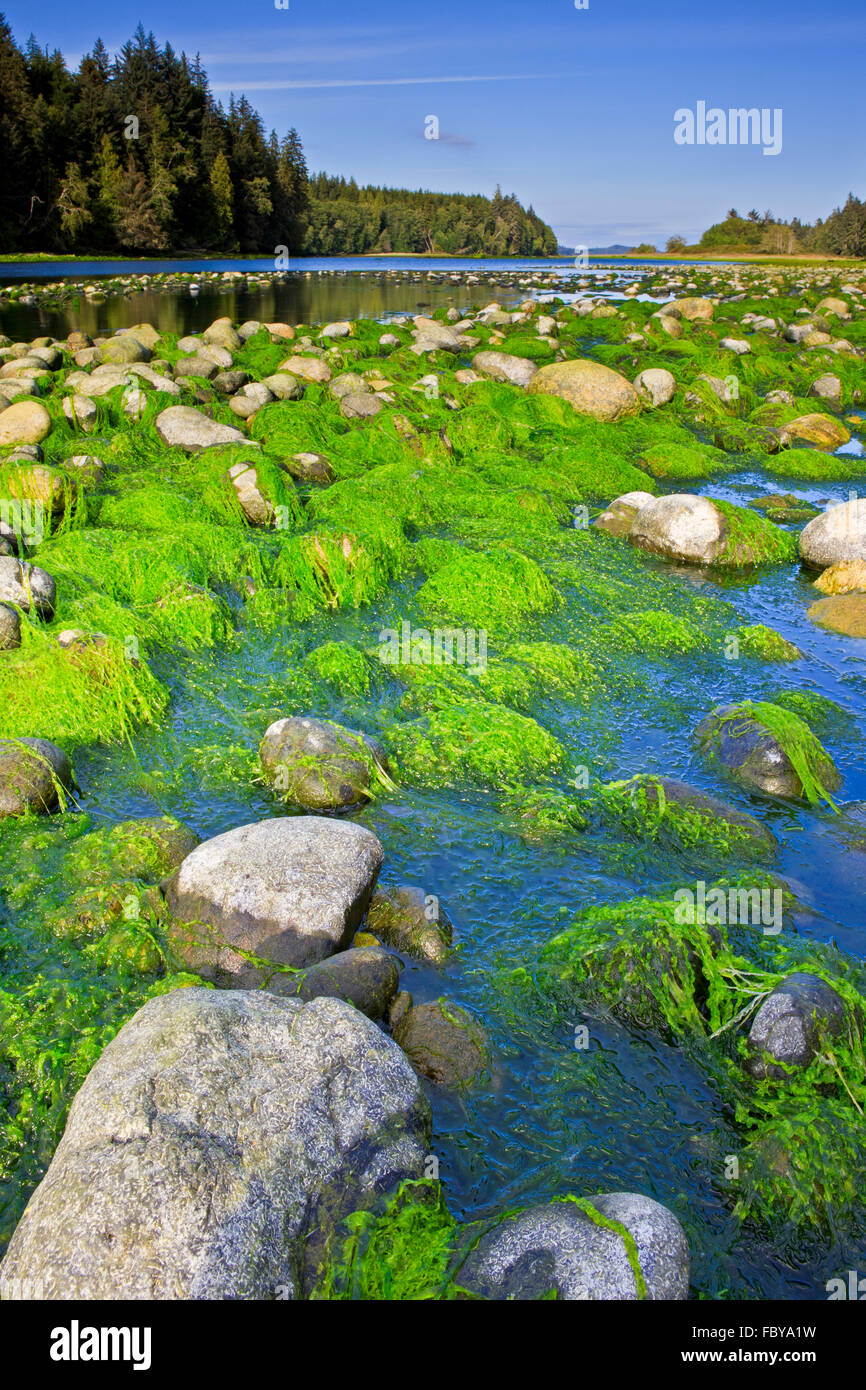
788,1028
213,1148
33,772
837,534
680,527
503,366
291,891
182,427
27,586
561,1247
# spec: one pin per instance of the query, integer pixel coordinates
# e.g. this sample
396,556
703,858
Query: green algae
478,743
762,642
807,756
497,591
640,808
751,540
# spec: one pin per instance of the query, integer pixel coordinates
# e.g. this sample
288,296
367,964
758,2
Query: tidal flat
641,488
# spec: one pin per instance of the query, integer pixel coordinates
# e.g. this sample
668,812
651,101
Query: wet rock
336,330
845,614
183,427
122,350
413,922
214,1147
400,1005
27,586
827,388
443,1042
820,430
360,405
681,527
592,389
10,628
792,1024
655,386
81,412
368,978
307,368
310,468
562,1247
617,519
837,534
31,771
291,891
25,422
502,366
284,387
846,577
254,501
318,764
754,756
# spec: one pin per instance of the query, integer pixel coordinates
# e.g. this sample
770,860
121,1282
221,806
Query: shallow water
632,1113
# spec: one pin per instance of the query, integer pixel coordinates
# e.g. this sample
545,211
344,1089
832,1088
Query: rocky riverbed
430,797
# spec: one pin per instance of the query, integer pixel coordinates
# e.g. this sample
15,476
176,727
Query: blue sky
573,110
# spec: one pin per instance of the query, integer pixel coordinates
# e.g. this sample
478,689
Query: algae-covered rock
621,1246
590,388
821,430
443,1042
33,775
10,628
846,577
27,587
366,977
411,921
652,805
310,468
790,1026
769,750
147,849
291,891
319,765
843,613
214,1147
699,531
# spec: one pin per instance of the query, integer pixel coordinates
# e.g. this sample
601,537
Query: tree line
133,155
843,233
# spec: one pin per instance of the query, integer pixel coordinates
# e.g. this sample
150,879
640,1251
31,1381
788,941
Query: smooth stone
309,468
846,577
291,890
843,613
25,422
754,757
590,388
215,1147
10,628
679,526
655,386
368,978
837,534
283,386
791,1024
183,427
561,1247
502,366
360,405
